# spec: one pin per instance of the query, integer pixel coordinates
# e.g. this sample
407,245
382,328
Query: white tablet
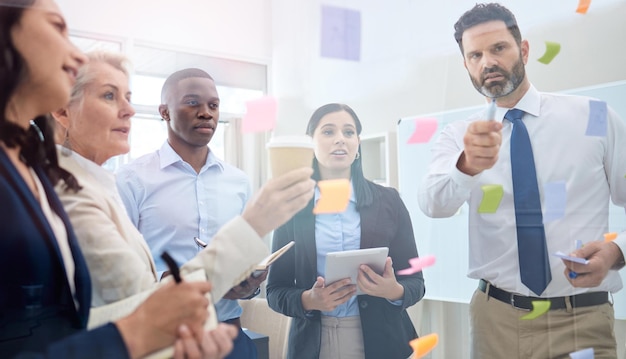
340,265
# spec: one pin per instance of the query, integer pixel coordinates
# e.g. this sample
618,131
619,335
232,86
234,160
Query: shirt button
363,304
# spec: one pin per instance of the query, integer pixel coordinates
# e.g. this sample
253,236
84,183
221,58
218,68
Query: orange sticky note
423,345
334,196
583,6
610,236
424,130
260,115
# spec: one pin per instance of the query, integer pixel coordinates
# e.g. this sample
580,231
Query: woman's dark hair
37,143
482,13
362,190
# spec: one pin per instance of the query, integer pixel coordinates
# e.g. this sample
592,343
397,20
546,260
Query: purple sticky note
260,115
341,33
596,125
583,354
425,128
555,199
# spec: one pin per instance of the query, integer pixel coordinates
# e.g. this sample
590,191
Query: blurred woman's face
51,60
99,122
336,144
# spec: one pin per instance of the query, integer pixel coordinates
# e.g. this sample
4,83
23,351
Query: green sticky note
540,307
552,49
492,195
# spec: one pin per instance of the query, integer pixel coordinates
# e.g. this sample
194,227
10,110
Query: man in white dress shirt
589,167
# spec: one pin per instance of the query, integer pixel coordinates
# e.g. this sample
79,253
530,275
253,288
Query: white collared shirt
593,169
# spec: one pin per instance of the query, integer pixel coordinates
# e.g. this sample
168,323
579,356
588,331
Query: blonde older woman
95,127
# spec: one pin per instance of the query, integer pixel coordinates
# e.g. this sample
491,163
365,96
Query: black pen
171,264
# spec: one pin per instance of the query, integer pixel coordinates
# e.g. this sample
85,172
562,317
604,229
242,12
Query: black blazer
36,304
387,328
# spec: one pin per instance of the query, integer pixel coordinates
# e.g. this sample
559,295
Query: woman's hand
327,298
216,343
385,286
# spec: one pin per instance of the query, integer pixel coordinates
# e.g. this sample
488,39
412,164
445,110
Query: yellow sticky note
492,195
334,196
583,6
610,236
552,49
423,345
540,307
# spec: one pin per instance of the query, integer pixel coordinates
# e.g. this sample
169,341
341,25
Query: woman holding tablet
329,319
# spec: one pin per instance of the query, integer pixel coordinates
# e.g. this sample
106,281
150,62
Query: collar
105,177
530,103
168,157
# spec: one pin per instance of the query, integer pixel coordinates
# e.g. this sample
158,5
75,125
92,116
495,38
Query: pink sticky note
260,115
424,130
417,264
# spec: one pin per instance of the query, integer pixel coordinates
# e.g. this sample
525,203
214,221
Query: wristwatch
256,292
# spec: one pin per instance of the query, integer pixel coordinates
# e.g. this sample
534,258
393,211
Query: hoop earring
66,148
358,155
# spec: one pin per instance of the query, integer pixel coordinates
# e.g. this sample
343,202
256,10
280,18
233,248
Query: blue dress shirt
171,204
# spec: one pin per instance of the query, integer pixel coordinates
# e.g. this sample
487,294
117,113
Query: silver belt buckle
513,304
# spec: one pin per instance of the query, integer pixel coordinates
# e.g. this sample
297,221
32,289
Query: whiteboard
447,238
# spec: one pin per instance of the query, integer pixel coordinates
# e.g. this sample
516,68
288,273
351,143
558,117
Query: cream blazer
119,260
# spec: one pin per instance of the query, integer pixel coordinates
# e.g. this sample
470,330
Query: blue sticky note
583,354
341,33
555,199
597,123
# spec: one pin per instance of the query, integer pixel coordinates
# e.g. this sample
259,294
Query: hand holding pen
173,267
601,256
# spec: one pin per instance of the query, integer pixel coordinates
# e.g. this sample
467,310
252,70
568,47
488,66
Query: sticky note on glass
425,128
417,264
424,345
341,33
540,307
597,123
583,6
611,236
492,195
260,115
552,49
555,199
334,196
583,354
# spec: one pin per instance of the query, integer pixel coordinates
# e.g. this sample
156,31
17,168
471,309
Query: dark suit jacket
387,328
36,304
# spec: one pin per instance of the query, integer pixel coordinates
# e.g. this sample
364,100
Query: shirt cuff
461,179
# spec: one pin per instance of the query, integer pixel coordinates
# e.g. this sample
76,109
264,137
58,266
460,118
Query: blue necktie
531,237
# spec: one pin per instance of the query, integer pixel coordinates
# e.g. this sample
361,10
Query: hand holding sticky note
417,264
334,196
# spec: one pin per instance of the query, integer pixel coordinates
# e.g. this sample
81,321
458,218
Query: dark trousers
243,347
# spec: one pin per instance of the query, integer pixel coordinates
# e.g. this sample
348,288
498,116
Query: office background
408,65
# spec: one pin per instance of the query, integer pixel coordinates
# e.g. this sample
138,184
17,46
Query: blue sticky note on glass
555,199
341,33
583,354
597,123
